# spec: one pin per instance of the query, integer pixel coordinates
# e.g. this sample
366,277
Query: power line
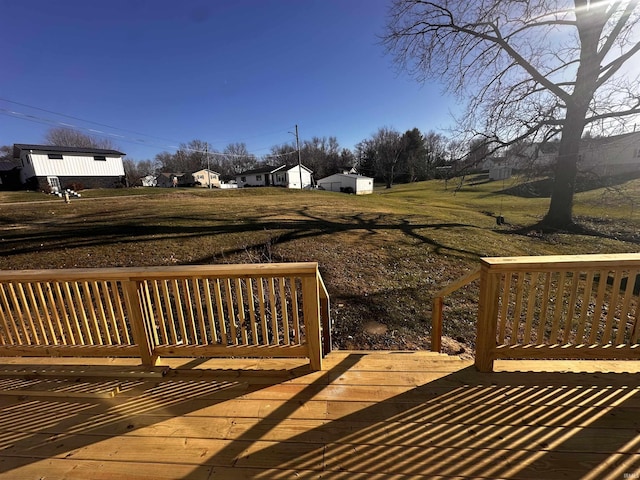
119,137
82,119
122,138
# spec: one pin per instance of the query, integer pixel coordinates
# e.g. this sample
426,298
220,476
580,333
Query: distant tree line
387,155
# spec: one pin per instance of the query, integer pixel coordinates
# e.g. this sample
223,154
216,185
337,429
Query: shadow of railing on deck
466,424
463,424
55,423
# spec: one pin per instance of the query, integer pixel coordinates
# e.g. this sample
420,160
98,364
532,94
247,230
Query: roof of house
553,146
295,165
613,138
56,148
272,169
7,165
345,175
263,169
213,172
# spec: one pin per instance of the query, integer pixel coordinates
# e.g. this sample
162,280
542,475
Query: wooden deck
366,416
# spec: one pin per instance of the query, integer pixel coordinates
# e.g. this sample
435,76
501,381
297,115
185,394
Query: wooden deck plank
70,469
367,415
73,469
361,456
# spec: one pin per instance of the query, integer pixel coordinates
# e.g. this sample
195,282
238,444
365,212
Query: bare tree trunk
559,215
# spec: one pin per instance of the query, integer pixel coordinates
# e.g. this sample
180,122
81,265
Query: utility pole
206,152
299,162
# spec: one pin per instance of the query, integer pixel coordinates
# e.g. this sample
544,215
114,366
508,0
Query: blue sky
160,72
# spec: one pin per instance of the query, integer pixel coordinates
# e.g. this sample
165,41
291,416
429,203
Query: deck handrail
438,304
276,309
558,306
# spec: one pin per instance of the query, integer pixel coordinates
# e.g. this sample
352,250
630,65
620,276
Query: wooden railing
438,304
264,310
558,307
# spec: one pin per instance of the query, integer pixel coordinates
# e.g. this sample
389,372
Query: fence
268,310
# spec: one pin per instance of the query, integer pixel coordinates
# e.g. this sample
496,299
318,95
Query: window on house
100,158
243,179
55,156
258,177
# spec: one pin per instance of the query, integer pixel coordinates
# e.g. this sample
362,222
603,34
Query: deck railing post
325,315
311,310
487,319
141,337
436,324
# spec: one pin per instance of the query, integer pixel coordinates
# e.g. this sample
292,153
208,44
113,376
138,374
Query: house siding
293,177
75,165
613,156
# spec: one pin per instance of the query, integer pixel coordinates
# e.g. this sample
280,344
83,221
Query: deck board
368,415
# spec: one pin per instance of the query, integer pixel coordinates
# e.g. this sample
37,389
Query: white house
604,156
54,167
288,176
347,183
498,168
149,181
615,155
206,178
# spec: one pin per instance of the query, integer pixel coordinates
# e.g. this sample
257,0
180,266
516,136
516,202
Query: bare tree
189,157
134,170
237,159
69,137
531,69
321,155
382,154
436,146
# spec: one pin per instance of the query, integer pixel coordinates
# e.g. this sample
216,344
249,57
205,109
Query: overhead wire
119,137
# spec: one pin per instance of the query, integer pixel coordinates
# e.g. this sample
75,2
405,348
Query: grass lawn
382,256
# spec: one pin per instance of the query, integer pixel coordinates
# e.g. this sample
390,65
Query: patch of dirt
374,328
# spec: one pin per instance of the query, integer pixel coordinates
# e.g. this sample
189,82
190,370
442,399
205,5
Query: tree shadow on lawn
80,233
541,188
541,230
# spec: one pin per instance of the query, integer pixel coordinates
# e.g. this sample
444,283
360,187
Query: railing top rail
323,288
459,283
563,262
300,269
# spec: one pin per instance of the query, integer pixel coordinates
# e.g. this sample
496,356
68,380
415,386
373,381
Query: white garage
347,183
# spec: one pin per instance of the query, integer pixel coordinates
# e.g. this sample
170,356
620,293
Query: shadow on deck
367,415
